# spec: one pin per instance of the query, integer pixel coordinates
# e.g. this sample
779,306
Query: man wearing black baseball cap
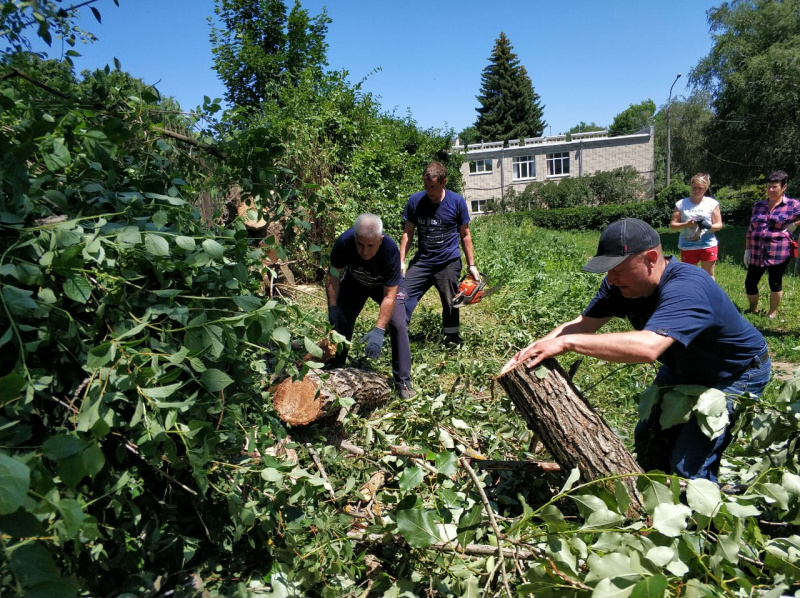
680,317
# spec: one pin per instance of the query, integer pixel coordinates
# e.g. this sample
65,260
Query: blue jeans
420,278
684,449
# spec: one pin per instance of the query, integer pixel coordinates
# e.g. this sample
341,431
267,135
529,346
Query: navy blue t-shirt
713,341
383,270
437,226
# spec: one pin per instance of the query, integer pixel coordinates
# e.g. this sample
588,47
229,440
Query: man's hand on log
535,353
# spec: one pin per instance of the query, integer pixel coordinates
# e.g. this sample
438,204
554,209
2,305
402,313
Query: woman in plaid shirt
767,246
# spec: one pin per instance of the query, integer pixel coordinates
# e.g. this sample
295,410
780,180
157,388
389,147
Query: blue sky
588,59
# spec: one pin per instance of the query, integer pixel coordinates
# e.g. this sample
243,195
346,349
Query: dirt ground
784,370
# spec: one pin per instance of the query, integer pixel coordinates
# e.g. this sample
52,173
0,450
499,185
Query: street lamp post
669,106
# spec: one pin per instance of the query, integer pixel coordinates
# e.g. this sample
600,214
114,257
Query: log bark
573,432
304,401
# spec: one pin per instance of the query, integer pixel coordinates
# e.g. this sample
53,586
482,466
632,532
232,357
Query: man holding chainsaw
681,318
442,219
365,264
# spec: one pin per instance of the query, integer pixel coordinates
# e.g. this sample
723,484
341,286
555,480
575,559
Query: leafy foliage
509,106
634,118
259,49
750,72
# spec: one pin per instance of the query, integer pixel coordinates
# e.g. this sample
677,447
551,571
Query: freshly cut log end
302,402
297,402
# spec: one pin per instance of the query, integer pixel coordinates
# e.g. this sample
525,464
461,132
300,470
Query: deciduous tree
752,74
259,48
510,107
634,118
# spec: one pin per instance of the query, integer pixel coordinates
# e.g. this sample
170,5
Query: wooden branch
536,467
477,550
15,72
488,508
573,432
207,147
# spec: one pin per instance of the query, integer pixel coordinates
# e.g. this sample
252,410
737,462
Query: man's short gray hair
368,226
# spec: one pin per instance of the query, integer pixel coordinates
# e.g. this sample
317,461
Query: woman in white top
698,218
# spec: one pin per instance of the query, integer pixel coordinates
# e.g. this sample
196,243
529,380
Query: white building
492,168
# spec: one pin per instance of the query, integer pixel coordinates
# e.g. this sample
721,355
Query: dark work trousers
420,278
351,300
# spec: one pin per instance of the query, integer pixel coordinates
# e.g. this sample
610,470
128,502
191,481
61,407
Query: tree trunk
573,432
304,401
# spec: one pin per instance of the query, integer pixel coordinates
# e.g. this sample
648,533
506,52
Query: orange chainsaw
471,291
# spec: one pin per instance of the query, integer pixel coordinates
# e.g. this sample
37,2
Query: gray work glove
746,257
374,342
473,272
403,269
336,316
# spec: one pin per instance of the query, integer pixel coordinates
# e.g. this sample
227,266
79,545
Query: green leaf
15,481
185,243
62,446
415,524
790,481
11,385
33,565
72,516
214,250
281,336
214,380
648,400
160,392
248,303
670,520
156,245
704,497
447,463
410,478
650,587
130,235
78,289
608,588
541,372
676,408
468,525
311,347
18,301
603,518
712,402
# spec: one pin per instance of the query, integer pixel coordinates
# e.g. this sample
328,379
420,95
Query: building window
523,167
558,164
478,206
480,166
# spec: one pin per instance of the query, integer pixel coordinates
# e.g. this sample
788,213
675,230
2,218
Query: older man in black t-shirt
365,264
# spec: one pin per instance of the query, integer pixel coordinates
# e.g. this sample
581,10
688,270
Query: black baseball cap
619,240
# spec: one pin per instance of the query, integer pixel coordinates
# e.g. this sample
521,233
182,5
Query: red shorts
694,256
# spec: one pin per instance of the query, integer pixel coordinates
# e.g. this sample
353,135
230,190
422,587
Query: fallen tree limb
573,432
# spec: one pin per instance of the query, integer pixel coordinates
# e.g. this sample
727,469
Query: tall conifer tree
510,107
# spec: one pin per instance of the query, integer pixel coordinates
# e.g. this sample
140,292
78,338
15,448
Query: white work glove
792,226
473,271
746,257
403,269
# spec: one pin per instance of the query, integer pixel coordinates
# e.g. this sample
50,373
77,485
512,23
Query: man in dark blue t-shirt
365,264
683,319
441,218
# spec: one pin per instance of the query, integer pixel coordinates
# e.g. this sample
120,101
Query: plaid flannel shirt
767,234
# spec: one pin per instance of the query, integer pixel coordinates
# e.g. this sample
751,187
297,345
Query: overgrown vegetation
139,450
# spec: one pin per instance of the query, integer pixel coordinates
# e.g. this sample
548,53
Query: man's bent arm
387,307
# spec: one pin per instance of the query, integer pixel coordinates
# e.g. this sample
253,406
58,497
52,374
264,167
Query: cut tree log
304,401
573,432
